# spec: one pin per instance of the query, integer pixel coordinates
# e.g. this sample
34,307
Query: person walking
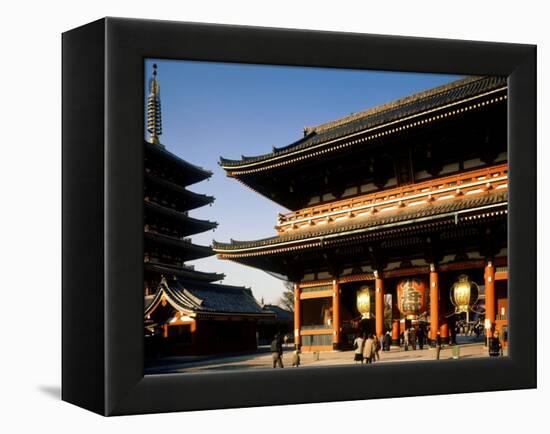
377,347
296,358
368,349
406,339
412,337
358,346
495,347
437,345
277,351
420,336
387,341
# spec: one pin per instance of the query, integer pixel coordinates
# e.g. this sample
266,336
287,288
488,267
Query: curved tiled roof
194,200
202,297
193,173
402,108
193,225
193,250
183,272
371,222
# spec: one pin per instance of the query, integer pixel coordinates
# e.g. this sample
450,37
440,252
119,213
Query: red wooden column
396,317
336,316
443,322
395,332
434,302
297,316
490,297
379,304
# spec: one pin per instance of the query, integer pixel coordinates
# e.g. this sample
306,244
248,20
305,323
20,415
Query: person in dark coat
420,336
437,345
495,347
412,337
277,351
387,341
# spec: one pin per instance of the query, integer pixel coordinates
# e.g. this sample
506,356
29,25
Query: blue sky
221,109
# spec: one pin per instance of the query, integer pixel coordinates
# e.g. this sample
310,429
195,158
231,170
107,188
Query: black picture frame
102,296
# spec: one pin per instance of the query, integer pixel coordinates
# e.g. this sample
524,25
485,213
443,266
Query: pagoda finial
154,116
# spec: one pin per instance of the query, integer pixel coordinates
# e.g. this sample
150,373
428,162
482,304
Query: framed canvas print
258,216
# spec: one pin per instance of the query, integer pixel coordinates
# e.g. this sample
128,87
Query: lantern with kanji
464,294
365,302
411,297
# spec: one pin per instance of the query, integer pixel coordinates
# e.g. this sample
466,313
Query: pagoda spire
154,116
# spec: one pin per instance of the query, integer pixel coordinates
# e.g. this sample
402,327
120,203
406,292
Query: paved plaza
263,359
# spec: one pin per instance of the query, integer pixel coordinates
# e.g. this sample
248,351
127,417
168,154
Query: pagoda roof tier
188,224
185,272
271,254
198,299
186,249
187,173
356,147
190,199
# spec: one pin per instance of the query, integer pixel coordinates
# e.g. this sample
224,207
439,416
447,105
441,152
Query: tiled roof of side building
281,314
453,92
208,298
373,222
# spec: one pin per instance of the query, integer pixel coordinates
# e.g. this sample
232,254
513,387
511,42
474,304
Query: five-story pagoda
185,313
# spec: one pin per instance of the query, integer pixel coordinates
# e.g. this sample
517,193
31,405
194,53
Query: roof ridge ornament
154,115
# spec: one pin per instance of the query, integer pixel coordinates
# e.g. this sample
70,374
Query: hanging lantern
464,293
365,302
411,297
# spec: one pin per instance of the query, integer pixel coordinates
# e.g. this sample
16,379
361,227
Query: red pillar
336,316
434,302
396,316
379,305
490,298
443,323
297,316
395,332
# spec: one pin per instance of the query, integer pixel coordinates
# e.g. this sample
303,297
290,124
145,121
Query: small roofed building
185,313
205,318
282,323
408,199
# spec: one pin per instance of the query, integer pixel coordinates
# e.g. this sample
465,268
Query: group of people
367,348
277,352
465,328
412,337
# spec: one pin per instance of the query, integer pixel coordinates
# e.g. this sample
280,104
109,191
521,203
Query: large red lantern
411,297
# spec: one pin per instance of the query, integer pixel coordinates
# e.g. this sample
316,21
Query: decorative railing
474,182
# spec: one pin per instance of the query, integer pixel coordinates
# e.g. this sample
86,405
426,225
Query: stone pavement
324,358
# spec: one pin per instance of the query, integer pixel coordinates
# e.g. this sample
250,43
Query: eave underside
186,225
429,239
183,272
190,200
443,96
469,130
